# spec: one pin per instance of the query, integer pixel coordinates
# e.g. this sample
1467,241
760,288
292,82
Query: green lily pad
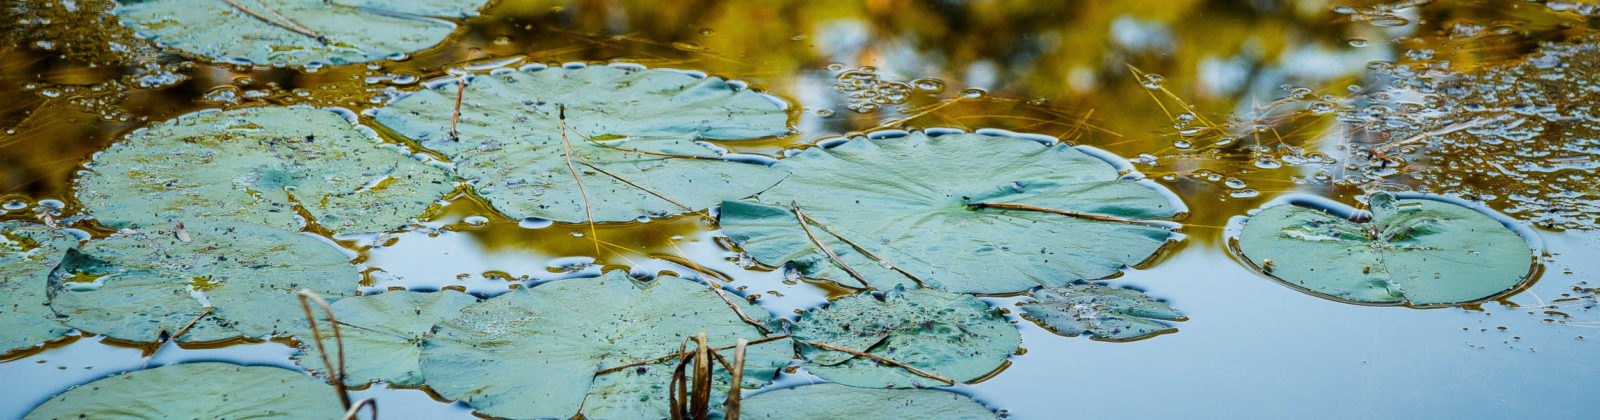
259,166
913,202
383,334
1413,251
207,390
842,402
285,32
511,148
28,252
535,353
1105,313
143,286
955,336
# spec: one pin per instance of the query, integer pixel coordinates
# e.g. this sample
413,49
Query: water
1228,105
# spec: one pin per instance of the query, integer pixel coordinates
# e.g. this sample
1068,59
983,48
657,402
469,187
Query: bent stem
880,359
461,89
682,353
720,292
801,217
1089,216
863,250
588,210
354,412
306,297
285,24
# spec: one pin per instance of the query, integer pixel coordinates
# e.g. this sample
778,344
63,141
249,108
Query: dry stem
306,296
880,359
681,353
801,217
588,210
286,24
1065,213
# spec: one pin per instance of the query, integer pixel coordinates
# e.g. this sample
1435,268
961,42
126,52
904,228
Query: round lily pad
954,336
537,353
207,390
509,141
1413,251
1102,312
843,402
295,32
933,208
144,286
28,252
259,166
383,333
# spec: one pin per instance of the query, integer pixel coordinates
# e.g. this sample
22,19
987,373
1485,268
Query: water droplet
928,85
535,223
476,221
1358,42
973,93
1153,81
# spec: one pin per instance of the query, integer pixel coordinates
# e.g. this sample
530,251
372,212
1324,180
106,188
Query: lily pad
207,390
295,32
383,334
259,166
843,402
1413,251
28,252
955,336
536,353
1105,313
918,203
509,142
143,286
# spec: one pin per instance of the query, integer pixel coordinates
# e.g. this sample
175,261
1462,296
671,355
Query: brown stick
191,323
286,24
641,187
316,333
1064,213
720,293
355,411
681,354
700,401
880,359
461,89
864,250
731,407
801,217
566,147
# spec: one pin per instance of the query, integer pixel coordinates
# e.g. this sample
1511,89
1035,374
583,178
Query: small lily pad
955,336
1413,251
206,390
259,166
536,352
1103,312
295,32
929,206
143,286
509,142
843,402
383,334
28,252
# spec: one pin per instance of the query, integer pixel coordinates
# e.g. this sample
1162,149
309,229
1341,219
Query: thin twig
640,187
306,296
461,89
720,292
566,146
355,411
700,401
286,24
858,247
801,217
1065,213
880,359
681,353
731,407
191,323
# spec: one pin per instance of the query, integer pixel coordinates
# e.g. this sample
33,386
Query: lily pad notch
1412,250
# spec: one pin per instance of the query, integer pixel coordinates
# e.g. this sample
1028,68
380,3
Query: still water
1229,104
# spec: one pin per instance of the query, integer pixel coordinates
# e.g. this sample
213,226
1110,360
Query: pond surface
1231,105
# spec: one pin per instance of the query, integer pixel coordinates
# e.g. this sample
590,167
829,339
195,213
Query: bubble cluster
867,90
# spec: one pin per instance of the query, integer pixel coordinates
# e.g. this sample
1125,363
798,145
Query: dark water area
1229,104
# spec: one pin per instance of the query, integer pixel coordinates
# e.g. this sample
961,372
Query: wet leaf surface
229,391
383,334
1413,251
950,335
510,141
911,201
295,32
259,166
534,353
1099,311
844,402
28,252
144,286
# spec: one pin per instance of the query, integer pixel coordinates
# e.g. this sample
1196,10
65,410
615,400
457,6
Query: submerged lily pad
917,202
295,32
1413,251
384,333
206,390
842,402
1102,312
143,286
510,145
28,252
955,336
259,166
535,353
